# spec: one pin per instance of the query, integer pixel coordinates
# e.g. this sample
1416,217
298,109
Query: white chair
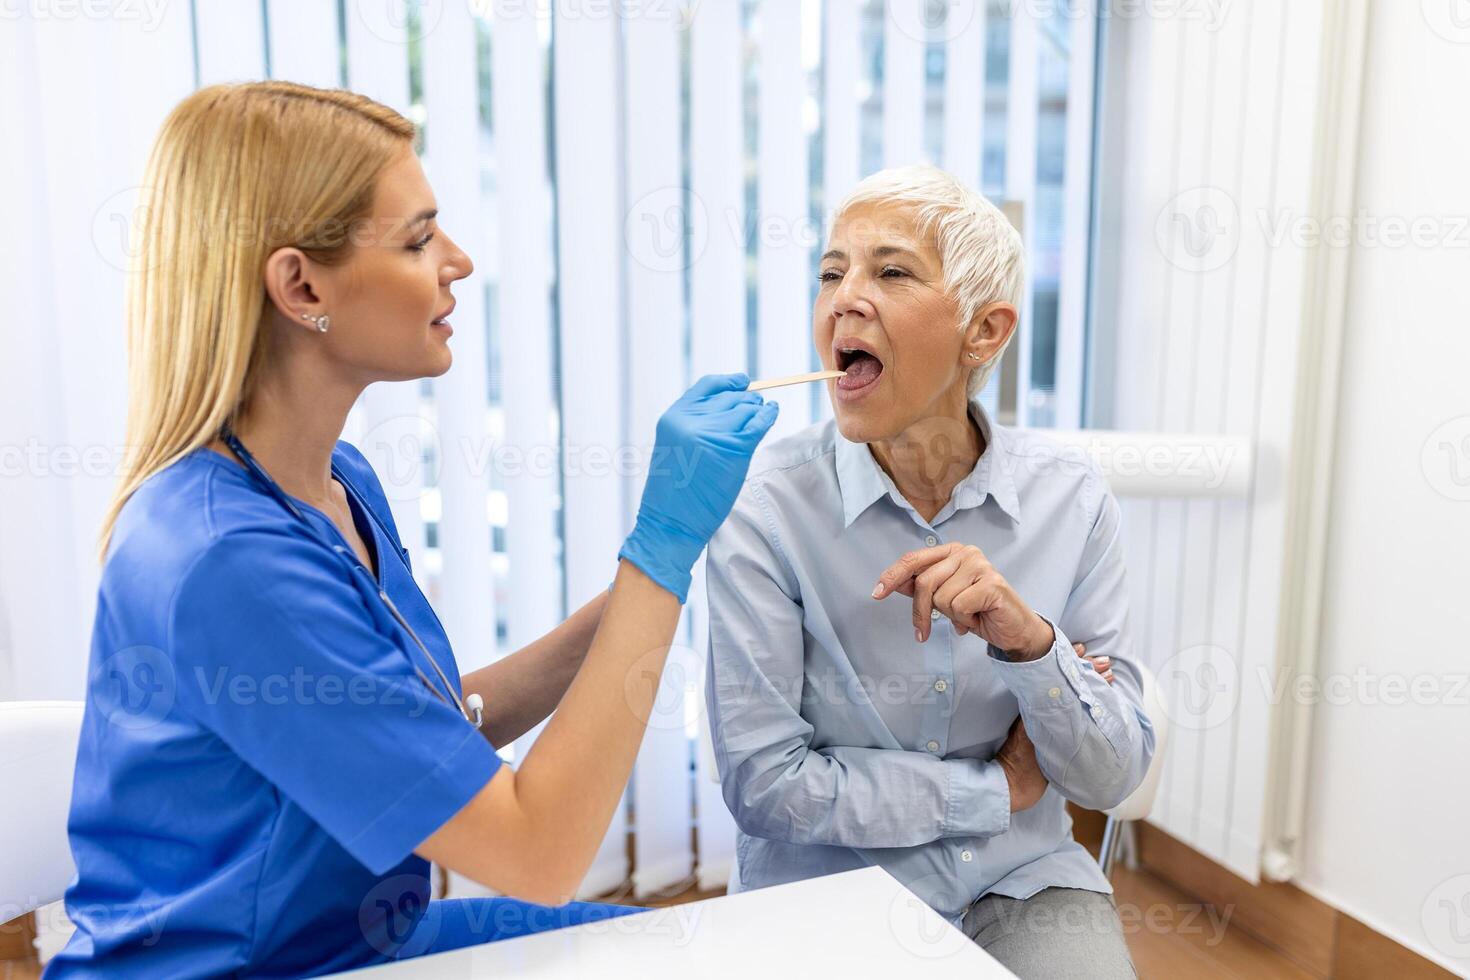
38,755
1141,800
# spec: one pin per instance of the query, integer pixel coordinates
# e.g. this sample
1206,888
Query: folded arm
776,784
1093,740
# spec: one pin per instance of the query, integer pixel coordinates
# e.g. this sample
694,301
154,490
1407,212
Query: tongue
861,372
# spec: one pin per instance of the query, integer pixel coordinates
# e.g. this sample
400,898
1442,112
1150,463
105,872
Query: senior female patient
894,599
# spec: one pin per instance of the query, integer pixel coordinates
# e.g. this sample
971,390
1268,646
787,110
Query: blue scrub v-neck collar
357,506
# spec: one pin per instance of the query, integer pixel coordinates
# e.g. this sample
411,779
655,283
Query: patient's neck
927,460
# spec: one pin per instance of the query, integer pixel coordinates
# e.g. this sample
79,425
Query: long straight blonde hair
237,172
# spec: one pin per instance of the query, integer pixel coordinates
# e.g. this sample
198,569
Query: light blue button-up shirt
843,742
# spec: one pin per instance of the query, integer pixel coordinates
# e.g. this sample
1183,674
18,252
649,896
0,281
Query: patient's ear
988,332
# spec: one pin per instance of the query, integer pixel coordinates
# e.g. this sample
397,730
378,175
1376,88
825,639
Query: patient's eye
893,272
829,275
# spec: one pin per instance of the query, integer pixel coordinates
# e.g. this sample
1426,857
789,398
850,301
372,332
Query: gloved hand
701,454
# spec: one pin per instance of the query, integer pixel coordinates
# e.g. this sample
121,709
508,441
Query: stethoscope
472,708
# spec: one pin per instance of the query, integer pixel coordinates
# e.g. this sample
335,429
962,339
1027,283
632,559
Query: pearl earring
322,322
973,357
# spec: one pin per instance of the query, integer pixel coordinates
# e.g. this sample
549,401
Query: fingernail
877,590
918,635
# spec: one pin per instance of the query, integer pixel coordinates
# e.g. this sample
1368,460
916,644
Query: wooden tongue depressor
794,379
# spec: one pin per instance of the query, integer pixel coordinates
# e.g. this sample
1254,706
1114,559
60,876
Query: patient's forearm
1092,741
865,797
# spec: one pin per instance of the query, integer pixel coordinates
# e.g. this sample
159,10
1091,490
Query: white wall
1208,135
1390,782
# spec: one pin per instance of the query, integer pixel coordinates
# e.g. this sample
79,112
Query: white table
854,924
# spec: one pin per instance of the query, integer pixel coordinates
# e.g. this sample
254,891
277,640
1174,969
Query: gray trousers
1057,934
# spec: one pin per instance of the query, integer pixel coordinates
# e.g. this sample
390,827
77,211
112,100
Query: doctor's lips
860,361
442,320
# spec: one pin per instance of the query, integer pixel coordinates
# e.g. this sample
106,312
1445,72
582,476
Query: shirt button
932,745
931,540
966,856
941,685
935,614
1054,692
1096,711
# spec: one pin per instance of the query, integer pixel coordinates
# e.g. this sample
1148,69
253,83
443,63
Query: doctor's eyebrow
424,217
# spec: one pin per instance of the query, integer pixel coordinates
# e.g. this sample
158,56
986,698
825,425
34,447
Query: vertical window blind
644,186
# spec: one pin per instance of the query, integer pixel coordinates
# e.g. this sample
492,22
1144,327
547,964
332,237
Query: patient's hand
1103,665
1017,756
959,582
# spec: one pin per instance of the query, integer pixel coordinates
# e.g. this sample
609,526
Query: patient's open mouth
862,366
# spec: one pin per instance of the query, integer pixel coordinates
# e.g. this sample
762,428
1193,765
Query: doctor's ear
291,281
988,332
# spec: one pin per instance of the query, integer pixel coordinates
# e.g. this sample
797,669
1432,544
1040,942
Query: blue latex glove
701,454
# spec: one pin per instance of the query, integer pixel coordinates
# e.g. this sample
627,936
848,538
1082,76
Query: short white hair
980,251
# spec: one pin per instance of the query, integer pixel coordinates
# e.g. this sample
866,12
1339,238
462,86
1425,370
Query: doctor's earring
322,322
972,356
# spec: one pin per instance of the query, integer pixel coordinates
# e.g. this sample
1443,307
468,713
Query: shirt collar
861,481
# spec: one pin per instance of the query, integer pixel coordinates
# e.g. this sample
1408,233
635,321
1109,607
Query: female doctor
277,741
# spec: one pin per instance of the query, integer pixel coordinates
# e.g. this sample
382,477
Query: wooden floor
1172,935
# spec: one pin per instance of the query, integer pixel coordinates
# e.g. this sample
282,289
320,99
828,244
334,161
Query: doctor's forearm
522,688
575,773
533,832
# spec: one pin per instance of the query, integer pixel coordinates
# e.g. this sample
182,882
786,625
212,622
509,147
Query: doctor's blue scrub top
258,758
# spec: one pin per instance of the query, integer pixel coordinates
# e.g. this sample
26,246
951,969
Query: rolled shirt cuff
979,799
1053,680
1057,682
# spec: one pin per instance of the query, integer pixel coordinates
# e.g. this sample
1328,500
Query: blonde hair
237,172
979,250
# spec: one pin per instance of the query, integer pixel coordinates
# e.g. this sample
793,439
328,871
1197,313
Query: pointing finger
911,564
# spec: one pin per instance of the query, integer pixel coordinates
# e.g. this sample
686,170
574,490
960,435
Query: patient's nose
851,299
